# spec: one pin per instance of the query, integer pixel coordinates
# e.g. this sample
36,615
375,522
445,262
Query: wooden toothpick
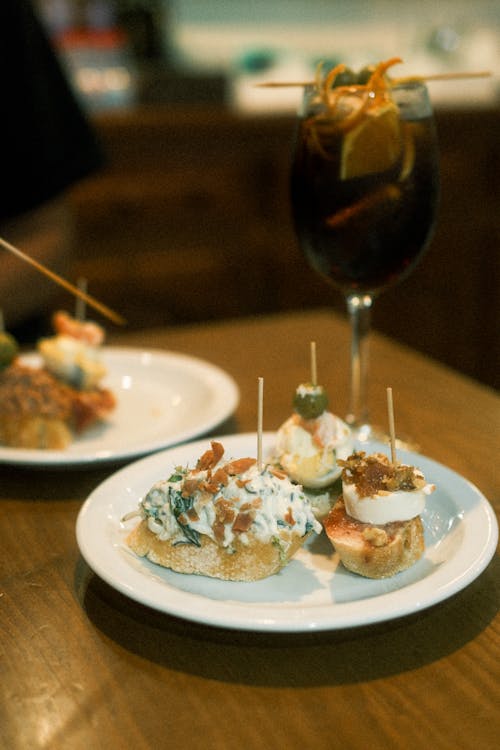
103,309
260,410
80,305
432,77
314,371
392,433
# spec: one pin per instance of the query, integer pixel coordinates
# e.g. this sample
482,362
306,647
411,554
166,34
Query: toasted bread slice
242,562
374,551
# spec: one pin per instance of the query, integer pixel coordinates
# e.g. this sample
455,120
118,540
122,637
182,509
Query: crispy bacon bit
192,514
211,457
189,487
255,503
278,473
289,517
224,511
213,482
243,522
220,477
375,473
239,466
218,529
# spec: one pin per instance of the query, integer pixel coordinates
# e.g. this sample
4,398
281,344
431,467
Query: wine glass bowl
364,194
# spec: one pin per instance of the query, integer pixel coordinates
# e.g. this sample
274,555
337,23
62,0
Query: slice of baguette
374,551
243,562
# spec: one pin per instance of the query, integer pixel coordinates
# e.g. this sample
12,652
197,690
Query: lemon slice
374,145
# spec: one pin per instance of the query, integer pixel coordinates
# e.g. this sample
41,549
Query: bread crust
243,562
374,551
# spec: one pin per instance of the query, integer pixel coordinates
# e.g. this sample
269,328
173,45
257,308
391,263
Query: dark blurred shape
46,146
46,143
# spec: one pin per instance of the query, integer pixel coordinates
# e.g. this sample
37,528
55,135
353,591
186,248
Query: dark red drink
364,209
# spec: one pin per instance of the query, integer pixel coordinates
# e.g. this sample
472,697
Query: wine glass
364,193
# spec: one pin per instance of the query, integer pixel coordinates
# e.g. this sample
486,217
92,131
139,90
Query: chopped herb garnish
181,505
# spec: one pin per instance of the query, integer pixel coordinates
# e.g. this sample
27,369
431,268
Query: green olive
8,349
310,401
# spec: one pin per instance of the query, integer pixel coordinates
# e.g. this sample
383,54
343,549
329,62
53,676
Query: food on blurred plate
233,520
73,353
45,407
310,442
8,349
375,525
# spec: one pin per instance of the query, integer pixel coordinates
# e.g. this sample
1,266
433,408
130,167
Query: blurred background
189,219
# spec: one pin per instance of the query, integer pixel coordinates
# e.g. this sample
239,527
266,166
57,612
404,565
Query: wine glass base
372,433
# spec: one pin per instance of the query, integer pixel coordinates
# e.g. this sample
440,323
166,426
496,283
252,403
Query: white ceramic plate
163,398
314,592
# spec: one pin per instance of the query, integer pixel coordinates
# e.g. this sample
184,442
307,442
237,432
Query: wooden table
82,666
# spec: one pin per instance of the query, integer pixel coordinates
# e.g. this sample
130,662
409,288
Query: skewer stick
392,433
314,371
80,306
260,403
281,84
432,77
103,309
445,76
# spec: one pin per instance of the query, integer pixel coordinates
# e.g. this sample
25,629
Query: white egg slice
309,456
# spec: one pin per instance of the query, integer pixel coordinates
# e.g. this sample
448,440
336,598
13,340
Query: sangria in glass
364,193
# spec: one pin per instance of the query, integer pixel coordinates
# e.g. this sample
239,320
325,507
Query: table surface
83,666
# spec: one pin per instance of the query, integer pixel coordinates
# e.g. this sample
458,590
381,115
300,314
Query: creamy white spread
255,502
308,449
384,506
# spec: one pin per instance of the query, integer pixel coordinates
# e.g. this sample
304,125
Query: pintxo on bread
45,407
228,519
375,525
311,440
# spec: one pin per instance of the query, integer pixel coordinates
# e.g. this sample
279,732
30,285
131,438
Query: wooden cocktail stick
103,309
260,410
314,371
80,307
431,77
392,432
444,76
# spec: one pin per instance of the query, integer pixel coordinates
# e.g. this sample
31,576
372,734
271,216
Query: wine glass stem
359,310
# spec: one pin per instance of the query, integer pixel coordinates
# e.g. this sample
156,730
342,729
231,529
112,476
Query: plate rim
238,615
38,458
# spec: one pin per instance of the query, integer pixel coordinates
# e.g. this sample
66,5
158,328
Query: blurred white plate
163,398
314,592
